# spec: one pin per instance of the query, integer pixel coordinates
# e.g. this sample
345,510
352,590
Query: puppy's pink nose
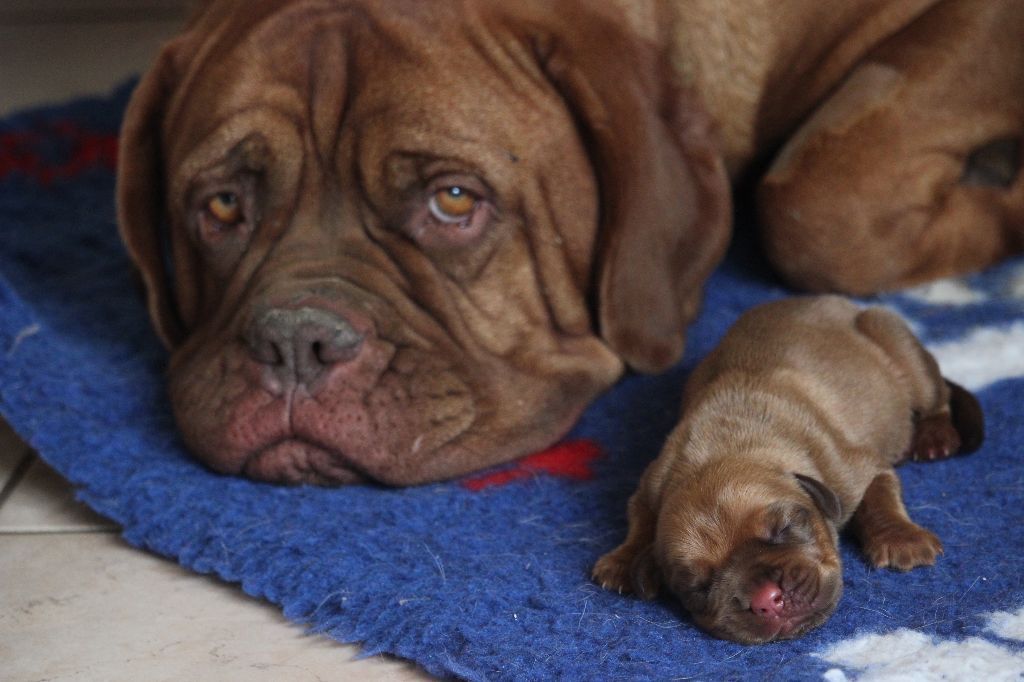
767,600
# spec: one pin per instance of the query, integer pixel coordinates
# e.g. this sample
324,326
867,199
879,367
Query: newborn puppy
790,430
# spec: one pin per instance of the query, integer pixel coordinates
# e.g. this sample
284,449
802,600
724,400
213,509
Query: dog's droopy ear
665,202
140,192
824,497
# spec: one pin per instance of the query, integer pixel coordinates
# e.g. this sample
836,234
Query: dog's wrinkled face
382,227
378,295
751,573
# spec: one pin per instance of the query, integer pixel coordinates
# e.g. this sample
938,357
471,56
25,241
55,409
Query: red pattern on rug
570,459
76,150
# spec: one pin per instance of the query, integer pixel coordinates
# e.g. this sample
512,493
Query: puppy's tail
967,417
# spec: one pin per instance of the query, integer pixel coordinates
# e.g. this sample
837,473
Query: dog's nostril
263,351
302,342
338,343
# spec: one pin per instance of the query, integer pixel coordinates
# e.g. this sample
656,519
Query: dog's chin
745,628
297,461
742,625
387,426
407,421
313,440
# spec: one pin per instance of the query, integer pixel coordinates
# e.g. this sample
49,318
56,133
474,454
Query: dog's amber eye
225,207
452,204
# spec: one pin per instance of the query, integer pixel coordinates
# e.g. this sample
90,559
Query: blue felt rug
485,578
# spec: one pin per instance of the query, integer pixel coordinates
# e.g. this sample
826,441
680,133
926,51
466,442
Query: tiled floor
76,603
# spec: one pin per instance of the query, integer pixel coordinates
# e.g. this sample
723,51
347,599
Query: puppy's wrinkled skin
790,430
398,241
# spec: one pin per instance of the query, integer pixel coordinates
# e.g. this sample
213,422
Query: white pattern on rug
982,357
947,292
957,291
904,655
1015,289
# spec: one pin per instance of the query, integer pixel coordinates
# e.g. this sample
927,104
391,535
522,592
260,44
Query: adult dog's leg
912,169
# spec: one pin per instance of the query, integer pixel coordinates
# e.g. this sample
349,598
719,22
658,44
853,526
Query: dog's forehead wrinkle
306,50
406,166
717,522
284,32
243,40
329,93
232,140
474,116
696,535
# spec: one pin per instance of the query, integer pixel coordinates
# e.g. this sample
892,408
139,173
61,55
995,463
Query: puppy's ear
967,416
140,191
665,202
824,497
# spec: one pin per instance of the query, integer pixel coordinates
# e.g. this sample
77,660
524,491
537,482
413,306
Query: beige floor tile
44,502
54,62
86,607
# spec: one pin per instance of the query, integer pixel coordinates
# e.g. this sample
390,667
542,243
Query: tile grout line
21,471
57,530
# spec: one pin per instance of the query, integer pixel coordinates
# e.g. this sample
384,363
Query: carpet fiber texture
487,577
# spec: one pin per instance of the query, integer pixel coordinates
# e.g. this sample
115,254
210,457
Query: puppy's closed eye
697,600
787,524
690,580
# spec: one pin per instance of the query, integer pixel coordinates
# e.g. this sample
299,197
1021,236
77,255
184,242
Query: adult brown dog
790,429
401,240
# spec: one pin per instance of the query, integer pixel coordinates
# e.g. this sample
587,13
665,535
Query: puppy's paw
612,571
903,547
935,438
627,571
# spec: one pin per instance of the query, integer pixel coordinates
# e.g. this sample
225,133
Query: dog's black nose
299,345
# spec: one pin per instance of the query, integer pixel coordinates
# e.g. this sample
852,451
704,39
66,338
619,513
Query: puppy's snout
768,601
300,345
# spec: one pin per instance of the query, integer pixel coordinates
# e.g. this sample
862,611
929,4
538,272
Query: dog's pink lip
776,626
780,627
785,626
